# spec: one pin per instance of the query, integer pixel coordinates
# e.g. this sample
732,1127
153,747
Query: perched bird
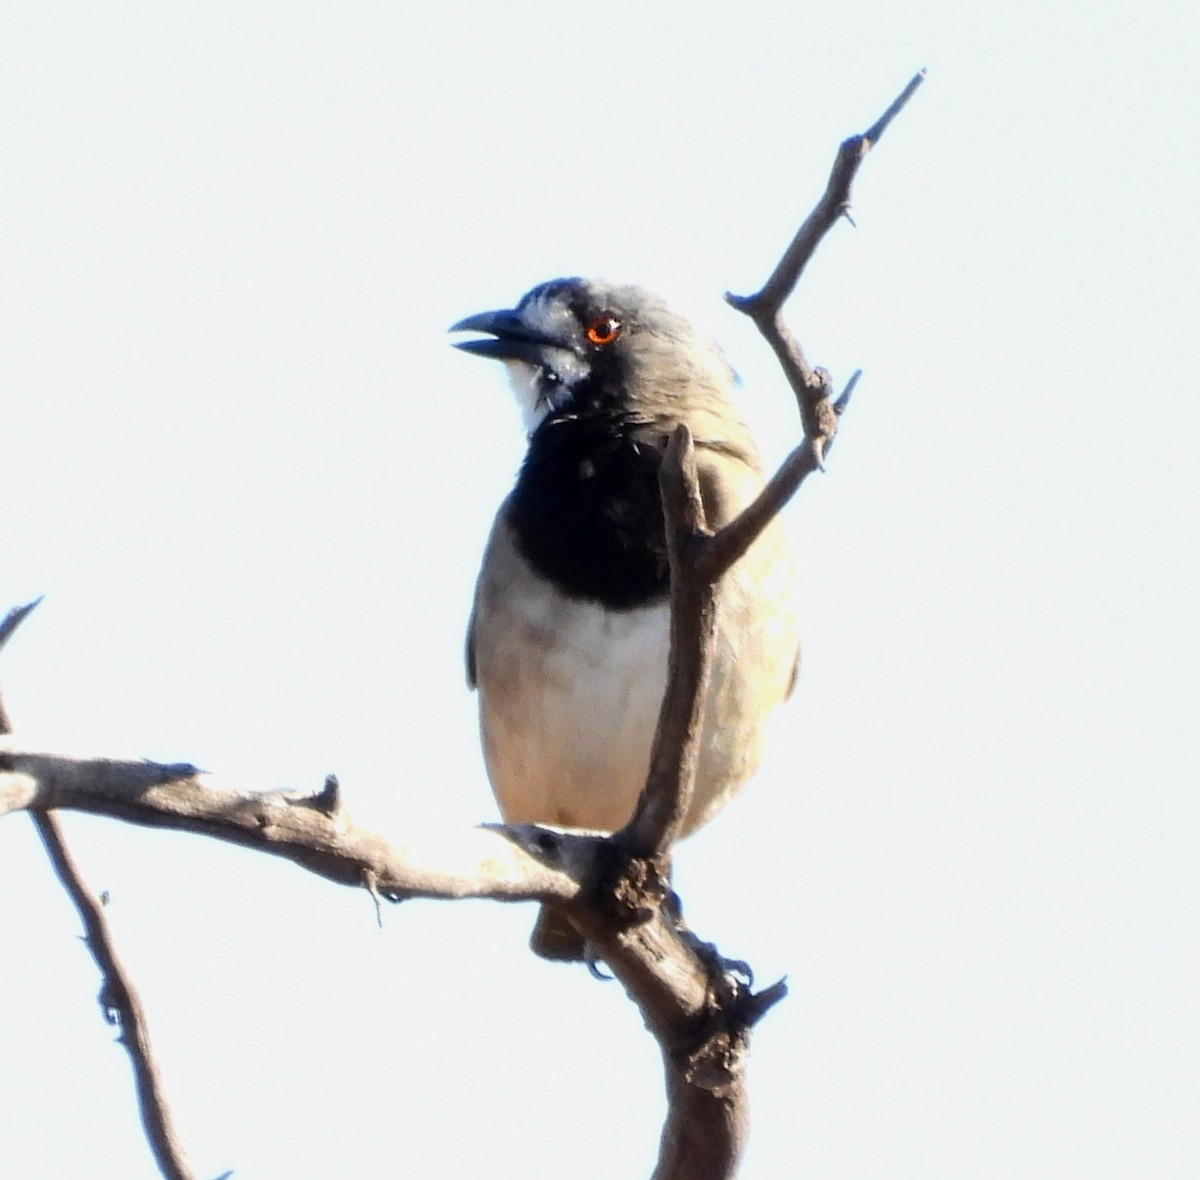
568,639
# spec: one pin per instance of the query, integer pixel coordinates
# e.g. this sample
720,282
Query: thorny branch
700,558
695,1143
693,1002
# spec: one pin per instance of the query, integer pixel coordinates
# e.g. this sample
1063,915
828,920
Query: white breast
569,696
569,692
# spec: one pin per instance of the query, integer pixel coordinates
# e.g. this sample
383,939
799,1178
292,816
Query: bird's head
579,346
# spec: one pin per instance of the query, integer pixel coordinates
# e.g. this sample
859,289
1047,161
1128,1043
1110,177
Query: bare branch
741,532
699,1015
121,1005
665,799
819,412
614,889
515,863
707,1106
764,306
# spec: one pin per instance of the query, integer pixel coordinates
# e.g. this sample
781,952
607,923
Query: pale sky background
253,481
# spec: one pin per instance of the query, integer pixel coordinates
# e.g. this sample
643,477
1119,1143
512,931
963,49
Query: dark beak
513,339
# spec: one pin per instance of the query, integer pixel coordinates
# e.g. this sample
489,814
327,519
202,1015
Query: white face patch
539,389
525,380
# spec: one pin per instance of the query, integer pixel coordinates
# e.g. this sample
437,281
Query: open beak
511,339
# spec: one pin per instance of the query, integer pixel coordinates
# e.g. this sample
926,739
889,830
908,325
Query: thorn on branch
755,1005
328,800
170,772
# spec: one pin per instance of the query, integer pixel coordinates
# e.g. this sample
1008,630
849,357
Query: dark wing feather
469,652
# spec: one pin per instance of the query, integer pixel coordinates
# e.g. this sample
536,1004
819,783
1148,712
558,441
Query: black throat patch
587,512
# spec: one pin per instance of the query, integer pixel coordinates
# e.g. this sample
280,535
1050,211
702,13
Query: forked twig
700,559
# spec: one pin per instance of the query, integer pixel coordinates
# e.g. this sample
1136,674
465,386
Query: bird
568,637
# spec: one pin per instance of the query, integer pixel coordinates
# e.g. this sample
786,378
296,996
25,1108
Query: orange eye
603,330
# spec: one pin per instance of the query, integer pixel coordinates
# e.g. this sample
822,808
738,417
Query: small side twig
371,885
121,1005
118,997
819,413
833,204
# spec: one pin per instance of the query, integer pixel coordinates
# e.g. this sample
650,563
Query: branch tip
881,124
843,401
15,618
